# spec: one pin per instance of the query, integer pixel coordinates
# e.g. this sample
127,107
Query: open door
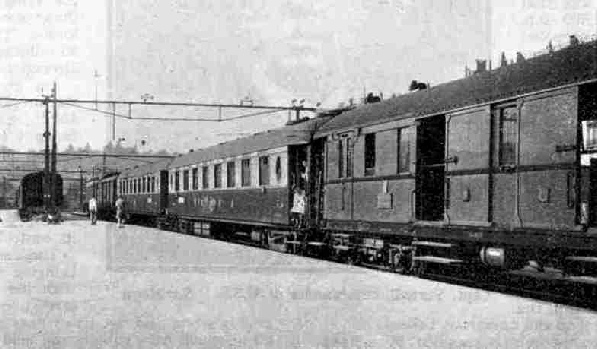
430,172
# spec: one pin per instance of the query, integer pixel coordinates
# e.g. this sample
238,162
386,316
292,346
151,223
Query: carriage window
171,184
152,184
231,174
340,159
278,169
403,150
508,135
218,176
195,178
263,170
204,177
369,154
246,172
185,180
177,180
589,133
148,186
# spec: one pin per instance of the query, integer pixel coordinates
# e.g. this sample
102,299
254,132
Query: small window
369,154
231,174
177,180
195,178
246,172
348,152
153,184
218,176
278,169
403,150
263,170
204,177
185,180
340,159
508,135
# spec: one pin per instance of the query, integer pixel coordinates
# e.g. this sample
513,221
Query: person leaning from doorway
93,210
119,211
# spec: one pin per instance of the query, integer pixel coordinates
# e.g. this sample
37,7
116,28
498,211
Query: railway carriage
493,168
105,191
145,191
30,195
245,187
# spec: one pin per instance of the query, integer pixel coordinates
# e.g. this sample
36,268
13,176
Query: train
494,170
30,196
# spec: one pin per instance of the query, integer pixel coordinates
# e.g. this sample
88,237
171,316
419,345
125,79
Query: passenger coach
494,167
246,186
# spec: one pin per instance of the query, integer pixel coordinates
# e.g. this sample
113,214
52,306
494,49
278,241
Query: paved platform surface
80,286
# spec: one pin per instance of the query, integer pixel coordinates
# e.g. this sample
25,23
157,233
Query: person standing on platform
120,211
93,210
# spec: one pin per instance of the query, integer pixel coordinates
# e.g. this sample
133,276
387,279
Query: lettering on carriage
475,235
212,204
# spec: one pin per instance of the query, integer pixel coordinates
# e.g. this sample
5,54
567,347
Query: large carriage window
204,177
369,154
589,129
403,150
245,172
177,181
218,176
195,178
263,170
508,135
185,180
231,174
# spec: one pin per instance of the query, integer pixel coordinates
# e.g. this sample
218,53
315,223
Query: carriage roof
293,134
573,64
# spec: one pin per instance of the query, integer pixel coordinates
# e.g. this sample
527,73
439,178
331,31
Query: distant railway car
30,195
145,191
105,191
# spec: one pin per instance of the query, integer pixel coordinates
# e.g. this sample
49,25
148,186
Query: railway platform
75,285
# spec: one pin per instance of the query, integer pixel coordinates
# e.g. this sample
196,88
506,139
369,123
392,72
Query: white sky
222,50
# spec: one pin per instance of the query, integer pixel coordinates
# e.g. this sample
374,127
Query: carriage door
163,191
430,172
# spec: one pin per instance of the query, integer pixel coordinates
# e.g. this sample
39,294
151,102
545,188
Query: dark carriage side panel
267,206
